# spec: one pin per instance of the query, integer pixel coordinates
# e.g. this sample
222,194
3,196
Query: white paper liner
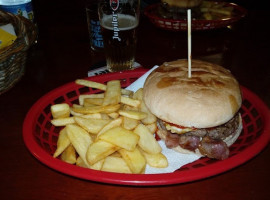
175,159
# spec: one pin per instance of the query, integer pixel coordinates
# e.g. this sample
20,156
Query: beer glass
119,20
93,23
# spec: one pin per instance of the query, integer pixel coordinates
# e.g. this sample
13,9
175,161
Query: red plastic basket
196,24
40,137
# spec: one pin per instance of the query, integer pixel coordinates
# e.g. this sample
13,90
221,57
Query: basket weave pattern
13,57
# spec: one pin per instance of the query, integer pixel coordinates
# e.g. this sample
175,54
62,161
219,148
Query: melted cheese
177,130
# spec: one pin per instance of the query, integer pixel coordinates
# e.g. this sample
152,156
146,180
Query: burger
199,114
177,9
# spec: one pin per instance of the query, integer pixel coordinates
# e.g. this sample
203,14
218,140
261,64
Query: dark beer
119,37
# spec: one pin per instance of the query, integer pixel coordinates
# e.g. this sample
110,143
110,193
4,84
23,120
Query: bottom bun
228,140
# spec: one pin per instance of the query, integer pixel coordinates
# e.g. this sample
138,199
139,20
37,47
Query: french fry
61,110
133,114
134,159
115,164
150,118
129,101
92,116
112,93
114,123
96,166
129,123
80,139
111,131
69,155
80,162
76,106
127,107
89,96
138,94
99,150
147,140
93,101
99,86
62,143
96,109
126,92
155,160
63,121
91,125
121,137
152,127
105,116
75,113
91,84
116,154
113,115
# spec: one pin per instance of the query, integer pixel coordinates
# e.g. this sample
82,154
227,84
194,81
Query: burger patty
209,141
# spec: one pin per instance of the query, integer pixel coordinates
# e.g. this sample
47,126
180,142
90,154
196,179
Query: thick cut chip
99,86
112,124
126,92
89,96
96,109
121,137
61,110
129,123
63,121
147,140
75,113
62,143
150,119
80,139
138,94
116,154
99,150
91,84
129,101
115,164
155,160
105,116
92,116
152,127
97,166
80,162
93,101
133,114
112,93
76,106
134,159
69,155
127,107
113,115
91,125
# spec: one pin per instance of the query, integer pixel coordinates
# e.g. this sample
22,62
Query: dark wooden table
62,55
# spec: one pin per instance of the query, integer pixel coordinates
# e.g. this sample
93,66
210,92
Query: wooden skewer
189,42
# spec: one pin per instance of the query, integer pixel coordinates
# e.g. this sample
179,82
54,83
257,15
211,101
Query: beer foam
125,22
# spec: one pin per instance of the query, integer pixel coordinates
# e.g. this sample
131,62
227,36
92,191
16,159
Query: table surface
62,55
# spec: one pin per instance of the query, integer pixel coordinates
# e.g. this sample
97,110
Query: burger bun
209,98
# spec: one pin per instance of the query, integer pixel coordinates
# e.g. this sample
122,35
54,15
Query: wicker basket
13,57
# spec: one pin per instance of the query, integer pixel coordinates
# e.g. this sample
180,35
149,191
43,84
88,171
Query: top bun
209,98
183,3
